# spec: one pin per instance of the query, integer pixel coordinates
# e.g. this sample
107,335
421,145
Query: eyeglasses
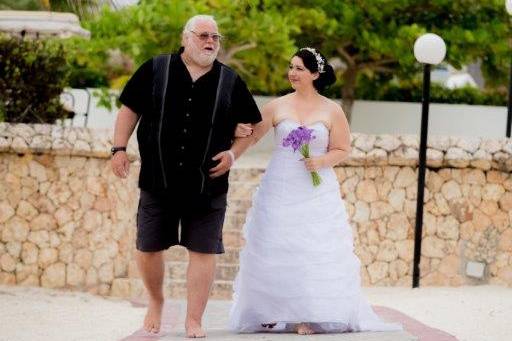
203,36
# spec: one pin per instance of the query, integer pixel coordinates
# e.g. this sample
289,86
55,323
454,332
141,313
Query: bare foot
304,329
194,329
153,317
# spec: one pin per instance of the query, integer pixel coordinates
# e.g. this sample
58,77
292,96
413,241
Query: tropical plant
257,43
373,37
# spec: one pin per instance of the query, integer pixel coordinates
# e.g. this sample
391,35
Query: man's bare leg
151,267
200,276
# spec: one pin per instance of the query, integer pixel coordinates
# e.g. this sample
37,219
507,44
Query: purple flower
298,137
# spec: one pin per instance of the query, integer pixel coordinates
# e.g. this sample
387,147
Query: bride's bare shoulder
334,109
277,102
332,106
329,103
283,99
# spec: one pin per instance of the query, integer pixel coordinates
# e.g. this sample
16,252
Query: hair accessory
319,60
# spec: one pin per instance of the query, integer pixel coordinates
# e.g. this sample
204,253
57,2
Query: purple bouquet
299,140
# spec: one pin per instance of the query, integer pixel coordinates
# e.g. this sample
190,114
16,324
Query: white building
40,24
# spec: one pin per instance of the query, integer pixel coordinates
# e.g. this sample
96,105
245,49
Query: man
189,105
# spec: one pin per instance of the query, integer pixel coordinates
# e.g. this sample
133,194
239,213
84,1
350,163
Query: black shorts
159,219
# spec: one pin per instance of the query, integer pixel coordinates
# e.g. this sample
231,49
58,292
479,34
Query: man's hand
121,164
224,165
243,130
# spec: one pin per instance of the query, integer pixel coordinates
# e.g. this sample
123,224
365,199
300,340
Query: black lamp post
508,5
429,49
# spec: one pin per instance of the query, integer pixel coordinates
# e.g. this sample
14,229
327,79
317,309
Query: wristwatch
115,149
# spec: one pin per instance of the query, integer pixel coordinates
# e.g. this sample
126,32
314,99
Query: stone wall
467,212
65,219
67,222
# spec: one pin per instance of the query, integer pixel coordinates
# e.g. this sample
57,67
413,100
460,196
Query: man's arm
125,124
241,144
238,147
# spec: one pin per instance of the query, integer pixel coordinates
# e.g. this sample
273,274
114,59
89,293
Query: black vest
155,175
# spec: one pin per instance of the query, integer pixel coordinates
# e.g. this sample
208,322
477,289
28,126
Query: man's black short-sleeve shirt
186,121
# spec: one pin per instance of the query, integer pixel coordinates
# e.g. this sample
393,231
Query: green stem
317,180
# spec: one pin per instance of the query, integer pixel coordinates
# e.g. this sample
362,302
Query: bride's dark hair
314,61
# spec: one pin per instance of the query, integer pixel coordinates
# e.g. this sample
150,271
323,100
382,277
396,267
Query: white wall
97,117
373,117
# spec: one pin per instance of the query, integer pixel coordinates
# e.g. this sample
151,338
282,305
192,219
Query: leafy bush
2,113
84,76
257,44
34,74
24,5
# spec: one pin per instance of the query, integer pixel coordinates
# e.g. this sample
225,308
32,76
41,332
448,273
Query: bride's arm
339,143
339,139
241,144
262,128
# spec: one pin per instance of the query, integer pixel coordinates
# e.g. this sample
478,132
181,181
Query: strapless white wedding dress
298,263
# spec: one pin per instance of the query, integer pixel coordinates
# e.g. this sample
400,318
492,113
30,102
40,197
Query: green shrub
33,75
84,76
2,112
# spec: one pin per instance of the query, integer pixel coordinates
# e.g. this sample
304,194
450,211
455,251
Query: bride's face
299,75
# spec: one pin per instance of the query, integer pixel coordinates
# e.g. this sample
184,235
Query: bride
298,271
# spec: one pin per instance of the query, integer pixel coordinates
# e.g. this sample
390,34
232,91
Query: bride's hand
243,130
313,164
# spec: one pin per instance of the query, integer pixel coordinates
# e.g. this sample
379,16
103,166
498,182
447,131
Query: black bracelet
114,150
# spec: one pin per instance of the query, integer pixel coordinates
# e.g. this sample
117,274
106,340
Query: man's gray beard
202,59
